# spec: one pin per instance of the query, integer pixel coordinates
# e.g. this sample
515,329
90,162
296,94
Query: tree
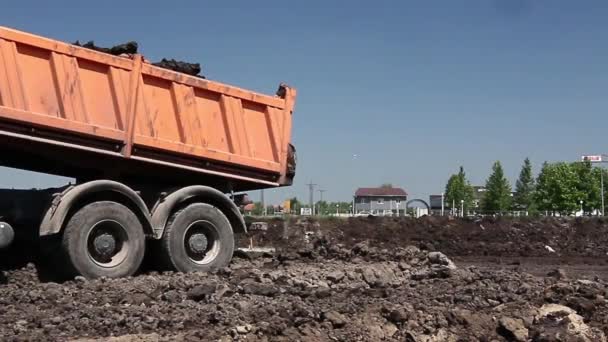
295,205
605,172
322,208
387,186
589,190
498,191
524,187
561,186
258,209
557,188
343,207
458,188
270,210
541,192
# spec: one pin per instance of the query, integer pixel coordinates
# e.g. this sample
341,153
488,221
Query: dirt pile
316,293
501,237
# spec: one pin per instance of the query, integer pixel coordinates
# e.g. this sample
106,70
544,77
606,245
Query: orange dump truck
161,159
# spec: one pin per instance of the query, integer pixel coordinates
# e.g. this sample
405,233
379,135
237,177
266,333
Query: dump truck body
84,114
159,158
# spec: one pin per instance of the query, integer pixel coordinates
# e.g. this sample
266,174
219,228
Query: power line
321,194
311,189
321,197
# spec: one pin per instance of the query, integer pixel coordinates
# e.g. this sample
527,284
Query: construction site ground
357,279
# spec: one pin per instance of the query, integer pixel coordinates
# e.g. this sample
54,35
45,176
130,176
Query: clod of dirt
336,319
130,48
397,316
335,277
557,274
117,50
193,69
244,329
557,322
439,258
260,289
378,276
203,291
513,329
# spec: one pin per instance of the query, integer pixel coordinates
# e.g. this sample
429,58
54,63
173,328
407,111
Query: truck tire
197,238
103,239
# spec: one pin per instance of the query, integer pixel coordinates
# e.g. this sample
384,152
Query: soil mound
500,237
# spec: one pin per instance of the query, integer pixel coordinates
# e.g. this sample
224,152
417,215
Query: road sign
305,211
595,158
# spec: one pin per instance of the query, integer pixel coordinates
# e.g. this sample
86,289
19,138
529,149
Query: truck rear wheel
103,239
199,238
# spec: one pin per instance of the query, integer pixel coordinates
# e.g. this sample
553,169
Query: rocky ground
564,238
321,289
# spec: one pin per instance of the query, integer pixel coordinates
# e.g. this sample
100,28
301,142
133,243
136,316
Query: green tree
258,209
588,187
541,191
387,186
270,210
295,205
561,186
557,188
498,191
343,207
458,188
322,208
524,188
599,171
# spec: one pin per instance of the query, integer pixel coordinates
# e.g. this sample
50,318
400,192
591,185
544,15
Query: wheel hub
105,244
198,243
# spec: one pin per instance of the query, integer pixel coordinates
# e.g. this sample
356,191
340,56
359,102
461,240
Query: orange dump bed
129,109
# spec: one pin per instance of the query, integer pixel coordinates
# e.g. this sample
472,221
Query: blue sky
413,88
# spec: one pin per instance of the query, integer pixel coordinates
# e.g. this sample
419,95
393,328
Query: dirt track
338,287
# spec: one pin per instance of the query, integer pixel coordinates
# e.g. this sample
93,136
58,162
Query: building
380,201
478,193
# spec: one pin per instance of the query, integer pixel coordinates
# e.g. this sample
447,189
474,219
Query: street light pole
461,208
602,188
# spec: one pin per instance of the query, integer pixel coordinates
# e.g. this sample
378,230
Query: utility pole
442,195
320,197
321,194
311,190
263,204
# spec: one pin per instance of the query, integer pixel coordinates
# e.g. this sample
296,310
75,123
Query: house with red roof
380,201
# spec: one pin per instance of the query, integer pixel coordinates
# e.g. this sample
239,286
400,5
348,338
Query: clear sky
413,88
